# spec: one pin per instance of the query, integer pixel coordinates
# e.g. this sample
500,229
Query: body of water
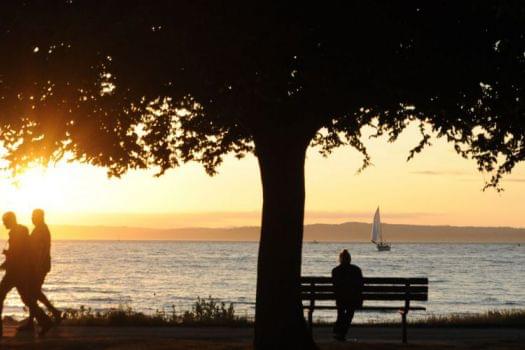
155,275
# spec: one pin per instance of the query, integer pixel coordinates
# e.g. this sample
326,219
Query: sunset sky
437,187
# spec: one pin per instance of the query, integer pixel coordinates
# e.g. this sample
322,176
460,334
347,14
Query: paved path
240,338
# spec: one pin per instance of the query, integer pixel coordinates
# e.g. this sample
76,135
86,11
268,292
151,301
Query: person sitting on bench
348,285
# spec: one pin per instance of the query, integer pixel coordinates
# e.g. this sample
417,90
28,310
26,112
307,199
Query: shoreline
213,314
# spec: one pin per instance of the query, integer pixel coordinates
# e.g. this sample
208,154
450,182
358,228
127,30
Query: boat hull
383,247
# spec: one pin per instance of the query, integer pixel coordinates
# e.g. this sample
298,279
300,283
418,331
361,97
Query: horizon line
258,226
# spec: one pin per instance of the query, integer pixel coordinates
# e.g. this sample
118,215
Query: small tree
138,84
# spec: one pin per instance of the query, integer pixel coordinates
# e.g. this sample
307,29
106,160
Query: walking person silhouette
20,272
40,243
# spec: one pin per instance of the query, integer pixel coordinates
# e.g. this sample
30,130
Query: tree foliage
136,84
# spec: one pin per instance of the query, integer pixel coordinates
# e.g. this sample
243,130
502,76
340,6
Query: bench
314,288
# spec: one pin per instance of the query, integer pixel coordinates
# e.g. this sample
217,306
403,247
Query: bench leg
404,320
310,319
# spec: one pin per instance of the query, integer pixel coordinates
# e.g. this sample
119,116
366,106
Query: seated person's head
344,257
9,219
38,217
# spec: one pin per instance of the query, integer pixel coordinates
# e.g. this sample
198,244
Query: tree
136,84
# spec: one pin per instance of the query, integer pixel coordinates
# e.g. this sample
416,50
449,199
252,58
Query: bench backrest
375,288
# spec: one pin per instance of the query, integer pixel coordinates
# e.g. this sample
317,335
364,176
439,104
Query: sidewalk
241,338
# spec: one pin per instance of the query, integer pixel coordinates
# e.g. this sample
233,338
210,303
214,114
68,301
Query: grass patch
492,318
204,312
211,312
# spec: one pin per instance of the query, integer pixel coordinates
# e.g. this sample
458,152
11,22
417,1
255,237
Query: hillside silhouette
345,232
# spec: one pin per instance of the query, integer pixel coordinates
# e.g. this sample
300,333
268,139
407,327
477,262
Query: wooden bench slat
370,296
395,280
368,280
315,279
369,288
368,308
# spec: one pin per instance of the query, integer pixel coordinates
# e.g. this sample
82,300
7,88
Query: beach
369,337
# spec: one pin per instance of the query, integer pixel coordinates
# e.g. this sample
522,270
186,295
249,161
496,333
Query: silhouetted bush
204,312
211,312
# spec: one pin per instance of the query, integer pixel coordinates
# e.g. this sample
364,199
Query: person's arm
4,263
9,240
360,285
360,278
46,244
6,252
3,266
335,280
42,250
11,254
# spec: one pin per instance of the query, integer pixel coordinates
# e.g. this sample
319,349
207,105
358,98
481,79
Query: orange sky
437,187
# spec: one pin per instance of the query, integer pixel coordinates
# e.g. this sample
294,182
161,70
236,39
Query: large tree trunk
279,318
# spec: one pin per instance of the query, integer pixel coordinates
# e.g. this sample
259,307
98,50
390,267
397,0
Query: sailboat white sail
377,233
376,228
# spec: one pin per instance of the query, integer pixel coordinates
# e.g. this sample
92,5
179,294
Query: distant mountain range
346,232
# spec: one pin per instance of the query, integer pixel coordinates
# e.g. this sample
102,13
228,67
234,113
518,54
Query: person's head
38,217
344,257
9,219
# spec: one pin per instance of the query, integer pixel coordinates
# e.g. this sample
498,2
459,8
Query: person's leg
29,325
37,287
339,326
28,296
343,323
44,300
5,286
349,315
43,320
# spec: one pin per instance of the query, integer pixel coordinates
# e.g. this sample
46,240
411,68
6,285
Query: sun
37,187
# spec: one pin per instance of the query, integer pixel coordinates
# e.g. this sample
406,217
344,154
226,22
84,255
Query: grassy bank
493,318
204,312
211,312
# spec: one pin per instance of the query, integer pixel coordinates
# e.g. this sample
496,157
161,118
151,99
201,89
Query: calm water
152,276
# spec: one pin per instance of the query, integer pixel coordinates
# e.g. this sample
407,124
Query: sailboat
377,234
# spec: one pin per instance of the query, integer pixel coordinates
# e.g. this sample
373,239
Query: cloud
312,215
514,180
439,172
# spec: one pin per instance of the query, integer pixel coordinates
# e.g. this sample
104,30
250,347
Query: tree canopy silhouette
138,84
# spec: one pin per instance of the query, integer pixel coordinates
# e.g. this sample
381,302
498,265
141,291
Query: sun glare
37,187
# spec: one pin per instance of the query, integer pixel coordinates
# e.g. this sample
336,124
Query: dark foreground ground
371,338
